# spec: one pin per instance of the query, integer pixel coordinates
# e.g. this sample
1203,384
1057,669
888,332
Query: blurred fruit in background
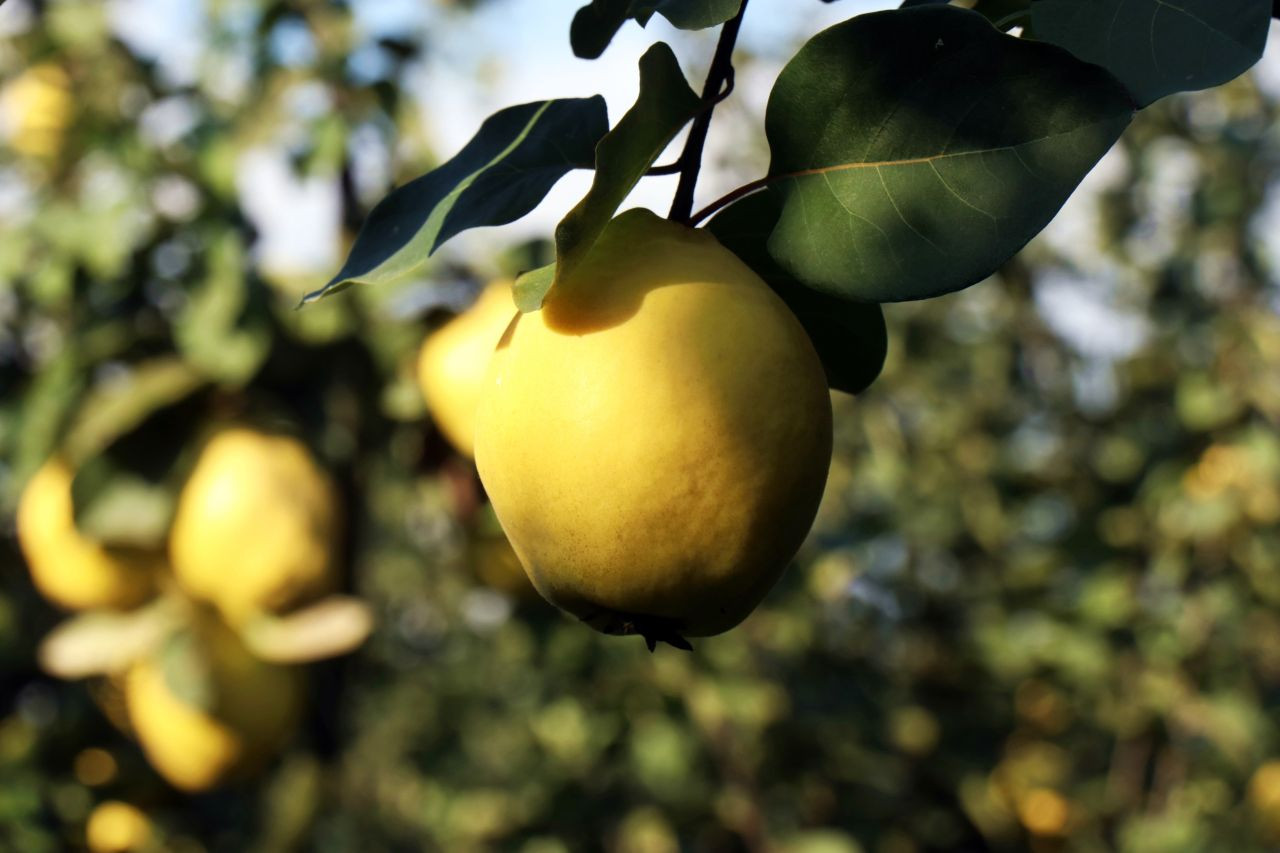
205,710
451,369
117,827
67,567
453,361
205,661
1264,799
256,525
36,108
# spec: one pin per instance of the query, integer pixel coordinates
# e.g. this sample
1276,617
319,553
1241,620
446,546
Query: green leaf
187,670
850,337
595,24
500,175
122,508
1156,47
532,286
48,405
221,330
665,104
916,150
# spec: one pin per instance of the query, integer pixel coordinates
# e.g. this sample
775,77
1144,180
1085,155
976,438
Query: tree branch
721,72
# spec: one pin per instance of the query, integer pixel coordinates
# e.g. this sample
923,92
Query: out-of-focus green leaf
106,642
119,405
47,407
500,175
222,330
187,670
125,446
1155,47
333,626
914,151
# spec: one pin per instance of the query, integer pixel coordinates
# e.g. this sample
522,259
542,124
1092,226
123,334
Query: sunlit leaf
500,175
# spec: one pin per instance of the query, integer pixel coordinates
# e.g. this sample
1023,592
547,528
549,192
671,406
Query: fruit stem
690,161
732,196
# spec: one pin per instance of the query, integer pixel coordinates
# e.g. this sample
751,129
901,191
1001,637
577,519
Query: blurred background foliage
1040,608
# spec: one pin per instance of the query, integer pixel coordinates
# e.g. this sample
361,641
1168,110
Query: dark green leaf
503,172
850,337
595,24
665,104
915,151
1156,47
1005,14
691,14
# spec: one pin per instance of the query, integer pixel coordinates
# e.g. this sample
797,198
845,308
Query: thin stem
731,197
721,72
673,168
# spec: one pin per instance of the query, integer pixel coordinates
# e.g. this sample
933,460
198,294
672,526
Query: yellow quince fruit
655,440
67,567
256,525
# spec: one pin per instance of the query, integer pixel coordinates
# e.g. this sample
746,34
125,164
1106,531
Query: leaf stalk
720,74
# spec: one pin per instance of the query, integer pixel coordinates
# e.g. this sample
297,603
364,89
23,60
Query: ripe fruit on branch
453,360
68,568
256,525
655,439
251,710
117,827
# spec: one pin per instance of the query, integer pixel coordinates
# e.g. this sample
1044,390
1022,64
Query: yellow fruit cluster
254,533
